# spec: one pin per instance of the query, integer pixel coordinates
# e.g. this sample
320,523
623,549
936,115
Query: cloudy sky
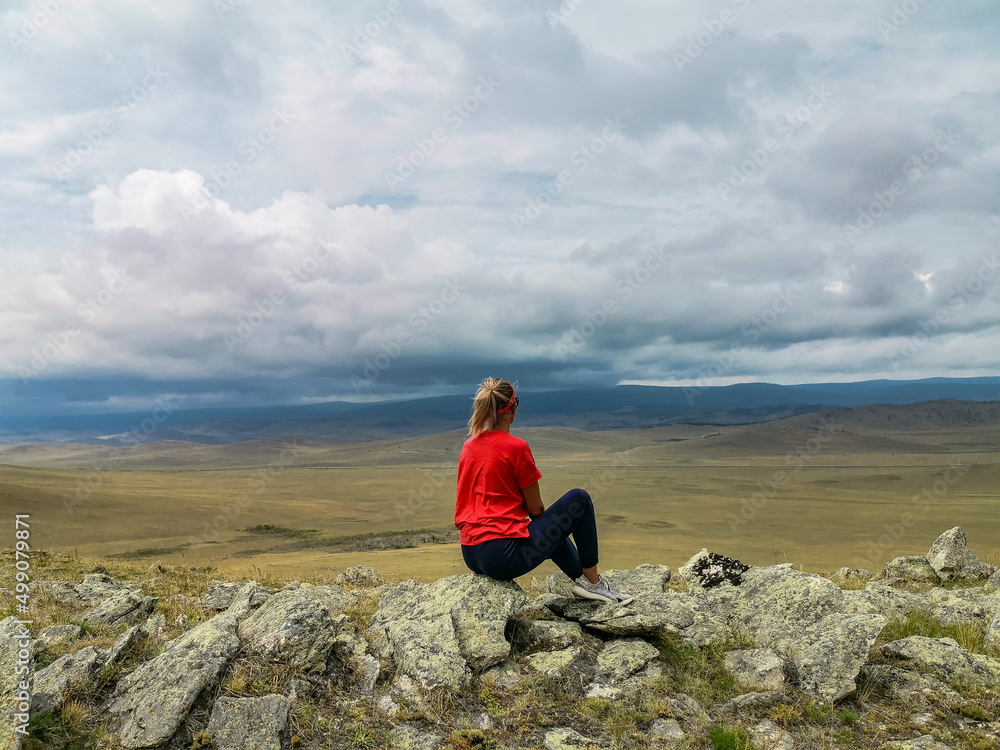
233,201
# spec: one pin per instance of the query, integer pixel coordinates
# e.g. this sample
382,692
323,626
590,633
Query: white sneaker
599,591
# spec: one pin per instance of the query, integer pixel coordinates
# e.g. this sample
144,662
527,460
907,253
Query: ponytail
494,395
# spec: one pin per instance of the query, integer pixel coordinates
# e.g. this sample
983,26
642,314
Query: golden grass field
661,495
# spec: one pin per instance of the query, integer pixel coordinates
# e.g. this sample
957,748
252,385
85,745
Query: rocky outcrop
429,647
297,626
946,659
951,559
149,705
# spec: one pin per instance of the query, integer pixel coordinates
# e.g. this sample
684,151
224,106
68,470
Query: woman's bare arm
533,499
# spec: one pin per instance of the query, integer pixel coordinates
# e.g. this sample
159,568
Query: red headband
509,403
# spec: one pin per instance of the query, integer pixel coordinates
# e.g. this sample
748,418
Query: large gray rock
646,580
838,647
410,738
123,606
882,598
770,735
478,607
297,626
55,635
428,651
994,581
359,575
622,658
911,568
530,636
50,683
149,705
248,723
952,561
553,663
777,603
125,641
946,659
668,732
96,587
655,615
221,595
904,686
758,667
16,654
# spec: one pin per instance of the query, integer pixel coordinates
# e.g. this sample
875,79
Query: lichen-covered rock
221,594
359,575
559,584
55,635
645,581
911,568
537,609
478,607
992,639
777,603
124,642
297,626
882,598
428,651
564,739
622,658
994,581
757,667
149,705
410,738
654,615
504,675
58,590
687,709
952,561
960,605
530,636
770,735
927,742
828,667
906,686
361,668
553,663
708,569
668,732
244,723
945,658
124,606
96,587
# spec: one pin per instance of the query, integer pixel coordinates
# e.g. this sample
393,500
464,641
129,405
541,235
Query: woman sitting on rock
498,492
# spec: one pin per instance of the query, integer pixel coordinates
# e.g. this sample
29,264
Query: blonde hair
493,395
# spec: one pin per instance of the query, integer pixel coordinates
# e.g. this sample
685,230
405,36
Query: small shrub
469,739
730,739
202,741
975,712
850,718
816,713
784,715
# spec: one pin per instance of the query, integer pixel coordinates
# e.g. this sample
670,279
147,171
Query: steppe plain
835,488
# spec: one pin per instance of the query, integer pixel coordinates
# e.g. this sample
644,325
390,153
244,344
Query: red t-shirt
493,469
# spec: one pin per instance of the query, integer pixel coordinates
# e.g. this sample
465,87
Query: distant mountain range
622,407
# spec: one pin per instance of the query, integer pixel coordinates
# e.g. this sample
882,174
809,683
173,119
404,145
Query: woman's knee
581,502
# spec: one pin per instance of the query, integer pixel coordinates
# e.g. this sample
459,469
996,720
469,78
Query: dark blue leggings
509,558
